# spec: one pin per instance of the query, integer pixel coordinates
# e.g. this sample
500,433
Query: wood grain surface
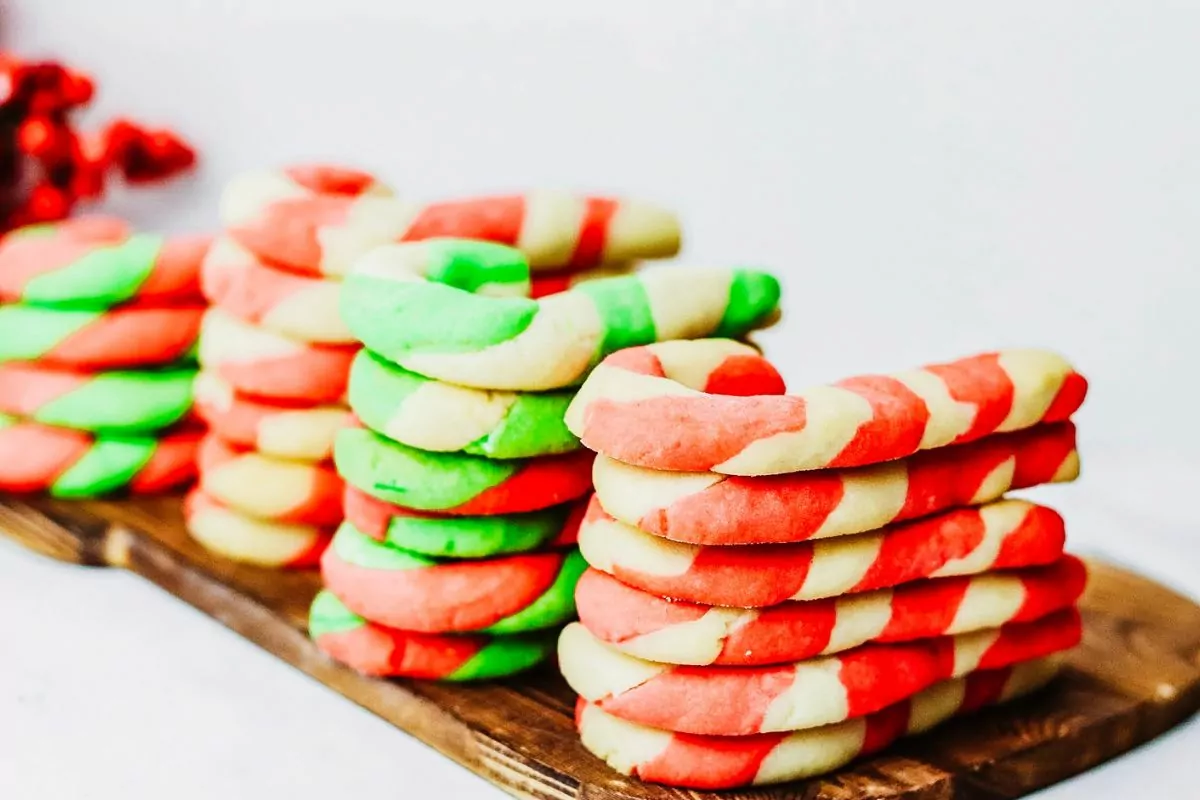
1136,675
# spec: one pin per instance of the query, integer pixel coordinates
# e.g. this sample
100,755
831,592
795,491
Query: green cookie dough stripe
107,275
625,310
476,537
108,465
26,332
414,478
504,656
328,614
7,420
37,230
123,401
753,297
440,316
533,425
555,606
355,547
472,265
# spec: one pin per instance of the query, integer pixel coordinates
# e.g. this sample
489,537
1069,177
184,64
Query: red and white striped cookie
740,701
294,430
726,762
270,488
298,306
965,541
635,408
258,362
250,191
713,509
676,632
252,541
325,235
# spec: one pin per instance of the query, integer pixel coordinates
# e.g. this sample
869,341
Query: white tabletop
113,688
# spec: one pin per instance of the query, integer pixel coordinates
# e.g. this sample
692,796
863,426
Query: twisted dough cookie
455,310
399,589
678,632
636,407
961,541
325,235
132,401
84,269
724,701
68,463
725,762
378,650
712,509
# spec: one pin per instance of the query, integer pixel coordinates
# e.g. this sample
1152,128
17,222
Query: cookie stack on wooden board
98,328
780,583
457,559
275,359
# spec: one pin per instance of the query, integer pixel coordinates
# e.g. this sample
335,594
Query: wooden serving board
1136,675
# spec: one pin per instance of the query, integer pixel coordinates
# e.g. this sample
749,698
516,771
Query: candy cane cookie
712,509
454,483
633,408
261,542
724,701
115,338
294,305
251,191
131,401
399,589
84,272
325,235
441,536
727,762
431,308
68,463
270,488
676,632
280,428
441,417
965,541
383,652
259,362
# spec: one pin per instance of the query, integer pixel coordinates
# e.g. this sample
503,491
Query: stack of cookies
457,559
275,358
98,328
780,583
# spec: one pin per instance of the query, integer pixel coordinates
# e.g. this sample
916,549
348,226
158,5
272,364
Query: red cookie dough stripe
631,413
723,762
274,489
130,336
673,631
740,701
1004,534
173,463
452,596
540,483
264,364
283,428
811,505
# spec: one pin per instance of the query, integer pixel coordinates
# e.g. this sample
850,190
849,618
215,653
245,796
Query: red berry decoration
47,167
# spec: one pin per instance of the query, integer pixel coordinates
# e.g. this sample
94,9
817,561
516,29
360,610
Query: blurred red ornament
47,166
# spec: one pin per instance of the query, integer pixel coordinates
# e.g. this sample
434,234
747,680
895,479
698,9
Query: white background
929,178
